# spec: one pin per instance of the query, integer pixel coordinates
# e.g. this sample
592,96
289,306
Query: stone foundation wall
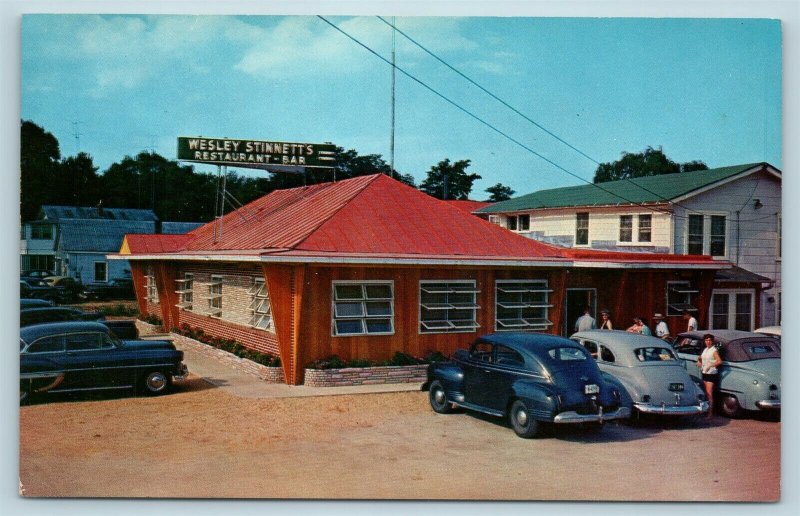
365,375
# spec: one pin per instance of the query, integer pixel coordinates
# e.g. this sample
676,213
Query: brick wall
258,340
365,375
268,374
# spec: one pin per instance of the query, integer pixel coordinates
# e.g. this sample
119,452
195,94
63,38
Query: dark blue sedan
86,356
530,379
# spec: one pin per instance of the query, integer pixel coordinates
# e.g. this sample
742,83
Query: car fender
625,395
739,382
449,374
541,399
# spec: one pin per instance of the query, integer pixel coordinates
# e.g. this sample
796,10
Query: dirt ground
201,442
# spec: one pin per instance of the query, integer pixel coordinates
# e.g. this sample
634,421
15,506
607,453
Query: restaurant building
367,267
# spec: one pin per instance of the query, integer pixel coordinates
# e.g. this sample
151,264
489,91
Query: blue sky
703,89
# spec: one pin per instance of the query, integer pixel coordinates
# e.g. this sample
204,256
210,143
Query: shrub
229,345
151,319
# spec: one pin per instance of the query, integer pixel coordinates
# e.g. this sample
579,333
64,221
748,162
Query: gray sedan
653,376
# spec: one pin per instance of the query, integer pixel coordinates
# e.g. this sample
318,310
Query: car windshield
654,354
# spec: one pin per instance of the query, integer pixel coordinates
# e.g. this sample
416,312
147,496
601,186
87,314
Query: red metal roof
372,216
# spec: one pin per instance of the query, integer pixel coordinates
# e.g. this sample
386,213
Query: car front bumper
672,410
182,372
769,404
573,417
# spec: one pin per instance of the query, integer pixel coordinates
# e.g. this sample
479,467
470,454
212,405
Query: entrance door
732,310
576,301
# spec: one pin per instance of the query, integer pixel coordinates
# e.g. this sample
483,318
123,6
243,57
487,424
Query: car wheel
521,420
155,383
438,399
729,406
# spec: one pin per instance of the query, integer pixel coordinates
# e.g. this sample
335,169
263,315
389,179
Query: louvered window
448,307
185,289
260,306
363,308
522,305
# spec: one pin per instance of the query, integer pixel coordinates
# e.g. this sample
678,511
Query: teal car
750,375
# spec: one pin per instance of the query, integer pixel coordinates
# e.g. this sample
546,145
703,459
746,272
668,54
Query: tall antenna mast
391,142
77,134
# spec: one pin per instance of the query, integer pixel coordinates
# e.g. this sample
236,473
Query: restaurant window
626,228
185,288
522,305
582,229
680,297
215,296
645,228
447,307
363,308
260,306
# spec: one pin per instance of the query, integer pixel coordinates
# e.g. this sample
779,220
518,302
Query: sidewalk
246,385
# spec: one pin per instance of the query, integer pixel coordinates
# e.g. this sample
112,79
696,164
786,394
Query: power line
482,121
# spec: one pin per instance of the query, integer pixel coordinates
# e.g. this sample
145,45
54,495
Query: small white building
731,213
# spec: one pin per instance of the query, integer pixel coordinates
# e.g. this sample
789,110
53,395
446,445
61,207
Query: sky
701,89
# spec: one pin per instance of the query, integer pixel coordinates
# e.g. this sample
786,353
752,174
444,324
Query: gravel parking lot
203,442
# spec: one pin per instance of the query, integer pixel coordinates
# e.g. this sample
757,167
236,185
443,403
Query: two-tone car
655,379
86,356
528,378
750,374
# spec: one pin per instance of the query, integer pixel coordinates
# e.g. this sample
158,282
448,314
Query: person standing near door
585,322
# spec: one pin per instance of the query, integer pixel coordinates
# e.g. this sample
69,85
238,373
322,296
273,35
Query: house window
511,222
521,305
582,229
680,297
151,292
732,310
215,296
717,237
518,222
626,228
259,305
363,308
101,272
645,228
447,306
41,231
707,234
185,290
694,243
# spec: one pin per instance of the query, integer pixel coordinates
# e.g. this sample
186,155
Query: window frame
105,270
150,287
214,298
582,216
639,227
185,291
41,231
707,220
520,304
626,228
258,292
675,307
447,287
364,316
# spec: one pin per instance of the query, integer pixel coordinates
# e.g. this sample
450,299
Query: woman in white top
709,362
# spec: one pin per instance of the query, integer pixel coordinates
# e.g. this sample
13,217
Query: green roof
626,191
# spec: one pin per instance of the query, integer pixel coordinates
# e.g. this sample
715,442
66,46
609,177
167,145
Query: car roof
528,341
36,331
621,338
46,309
722,335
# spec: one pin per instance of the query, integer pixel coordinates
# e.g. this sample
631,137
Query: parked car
34,303
68,288
114,289
122,328
86,356
750,374
529,378
772,331
37,289
655,380
37,274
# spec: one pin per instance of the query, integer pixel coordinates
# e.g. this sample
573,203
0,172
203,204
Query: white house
731,213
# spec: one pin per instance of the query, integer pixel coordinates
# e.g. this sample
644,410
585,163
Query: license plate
676,387
591,388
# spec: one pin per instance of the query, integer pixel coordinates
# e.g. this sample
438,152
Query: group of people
587,322
708,361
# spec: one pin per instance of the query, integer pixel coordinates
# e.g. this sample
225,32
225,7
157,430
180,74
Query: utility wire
515,110
484,122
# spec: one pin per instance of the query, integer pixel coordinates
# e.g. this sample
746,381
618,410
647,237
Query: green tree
449,180
651,162
499,192
39,166
79,184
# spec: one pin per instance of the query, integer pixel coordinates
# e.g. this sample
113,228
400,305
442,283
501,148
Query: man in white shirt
662,331
691,322
585,322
